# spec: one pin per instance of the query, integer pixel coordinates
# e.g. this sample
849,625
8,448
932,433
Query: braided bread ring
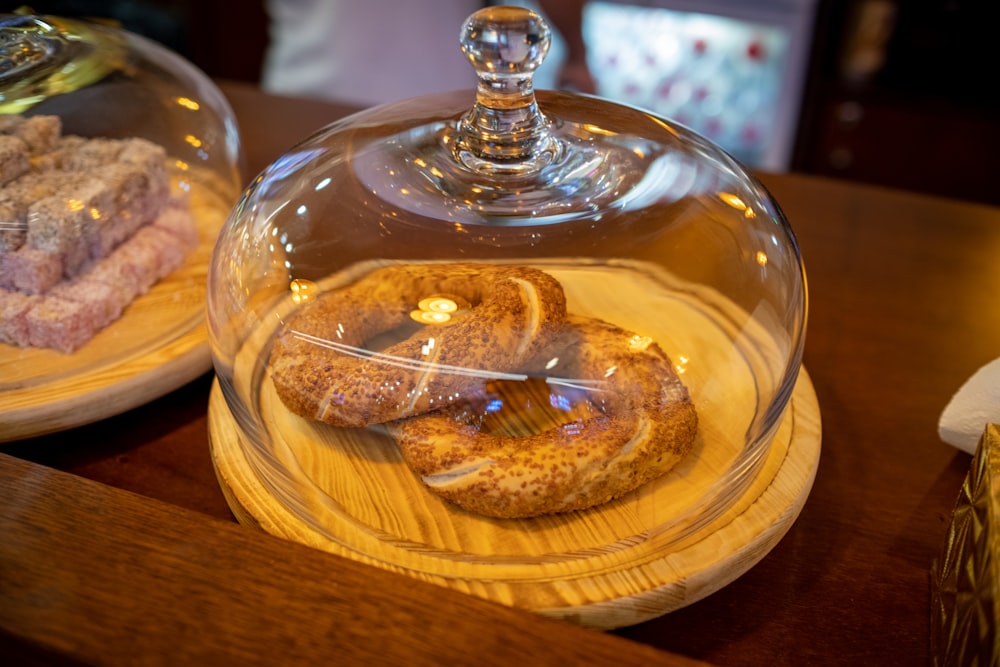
321,371
644,423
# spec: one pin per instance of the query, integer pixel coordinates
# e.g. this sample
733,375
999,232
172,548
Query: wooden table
134,554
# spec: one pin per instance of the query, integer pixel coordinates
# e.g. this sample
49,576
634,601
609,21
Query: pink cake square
13,158
98,215
103,300
131,269
41,133
90,154
13,224
9,123
14,308
33,271
118,272
45,162
150,157
34,186
60,324
165,248
131,189
53,223
180,223
140,255
76,260
6,277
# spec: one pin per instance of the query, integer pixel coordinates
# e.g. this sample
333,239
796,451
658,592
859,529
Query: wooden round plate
664,546
159,344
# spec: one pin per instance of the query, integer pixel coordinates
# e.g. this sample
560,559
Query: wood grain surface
612,566
100,576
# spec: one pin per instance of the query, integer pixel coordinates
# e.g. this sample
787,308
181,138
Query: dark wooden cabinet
225,39
923,117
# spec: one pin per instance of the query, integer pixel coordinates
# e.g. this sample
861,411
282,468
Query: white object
974,405
366,52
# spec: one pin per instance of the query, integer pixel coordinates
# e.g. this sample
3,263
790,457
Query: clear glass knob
504,161
505,131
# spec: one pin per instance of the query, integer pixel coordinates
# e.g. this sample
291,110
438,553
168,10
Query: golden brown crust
322,370
637,423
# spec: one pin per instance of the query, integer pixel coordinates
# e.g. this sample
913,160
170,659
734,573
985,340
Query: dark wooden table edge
91,574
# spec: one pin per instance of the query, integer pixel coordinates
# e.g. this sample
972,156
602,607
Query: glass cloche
472,336
119,163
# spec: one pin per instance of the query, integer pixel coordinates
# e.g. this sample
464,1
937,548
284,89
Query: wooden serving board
158,344
608,567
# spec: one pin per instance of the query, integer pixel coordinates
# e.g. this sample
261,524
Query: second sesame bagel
627,419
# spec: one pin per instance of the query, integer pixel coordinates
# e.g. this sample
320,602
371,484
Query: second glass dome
425,306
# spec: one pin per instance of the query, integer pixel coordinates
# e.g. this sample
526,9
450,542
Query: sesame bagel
322,369
628,420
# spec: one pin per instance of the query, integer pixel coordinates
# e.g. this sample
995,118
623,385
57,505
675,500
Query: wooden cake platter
158,344
667,544
558,565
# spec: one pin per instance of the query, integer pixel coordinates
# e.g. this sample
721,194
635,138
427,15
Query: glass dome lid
505,309
119,163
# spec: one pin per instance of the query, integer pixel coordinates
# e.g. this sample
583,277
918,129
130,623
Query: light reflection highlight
187,103
403,362
732,200
681,365
429,317
737,203
639,343
302,290
583,384
596,129
438,309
